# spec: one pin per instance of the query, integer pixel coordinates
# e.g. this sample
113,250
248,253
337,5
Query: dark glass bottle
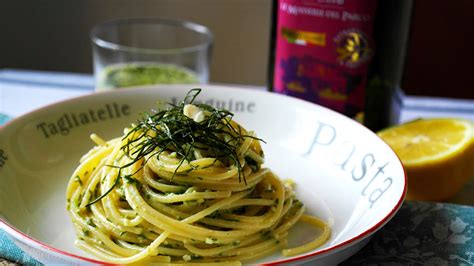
347,55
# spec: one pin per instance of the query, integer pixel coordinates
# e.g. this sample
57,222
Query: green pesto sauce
128,75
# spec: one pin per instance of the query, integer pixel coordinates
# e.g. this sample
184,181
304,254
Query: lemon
438,155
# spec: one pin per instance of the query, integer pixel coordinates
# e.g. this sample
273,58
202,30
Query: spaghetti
183,185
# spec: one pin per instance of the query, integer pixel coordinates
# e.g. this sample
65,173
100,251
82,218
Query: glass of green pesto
143,51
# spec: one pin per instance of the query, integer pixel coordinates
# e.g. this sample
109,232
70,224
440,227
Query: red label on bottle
323,49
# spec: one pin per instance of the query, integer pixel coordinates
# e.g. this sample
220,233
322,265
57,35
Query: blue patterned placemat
3,118
11,252
422,233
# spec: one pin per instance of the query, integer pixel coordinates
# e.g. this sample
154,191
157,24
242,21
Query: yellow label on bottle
304,37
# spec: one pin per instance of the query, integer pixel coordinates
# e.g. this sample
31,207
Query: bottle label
323,49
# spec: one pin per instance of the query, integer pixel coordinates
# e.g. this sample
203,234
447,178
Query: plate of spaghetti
172,175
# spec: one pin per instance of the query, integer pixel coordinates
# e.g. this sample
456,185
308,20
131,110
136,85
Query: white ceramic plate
344,173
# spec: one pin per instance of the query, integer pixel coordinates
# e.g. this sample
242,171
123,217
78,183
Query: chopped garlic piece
186,257
289,183
210,240
194,112
190,109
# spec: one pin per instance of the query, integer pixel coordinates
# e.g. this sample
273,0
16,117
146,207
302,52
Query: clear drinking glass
143,51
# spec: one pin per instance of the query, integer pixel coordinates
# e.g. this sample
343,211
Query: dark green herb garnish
298,204
78,180
91,222
252,164
142,236
230,219
171,130
266,234
129,179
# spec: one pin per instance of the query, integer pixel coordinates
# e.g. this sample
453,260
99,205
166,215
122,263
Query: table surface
421,232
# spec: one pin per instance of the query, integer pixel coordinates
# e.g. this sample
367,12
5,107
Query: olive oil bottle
347,55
